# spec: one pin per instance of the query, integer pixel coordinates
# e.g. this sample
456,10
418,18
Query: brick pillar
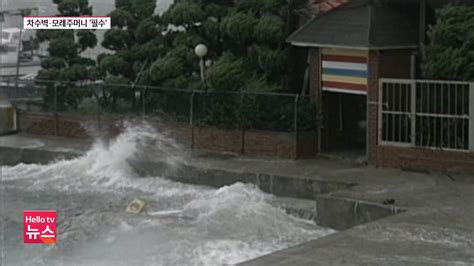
315,74
314,55
372,108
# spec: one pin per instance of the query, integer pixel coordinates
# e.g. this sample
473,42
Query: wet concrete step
343,213
13,156
302,197
301,208
278,185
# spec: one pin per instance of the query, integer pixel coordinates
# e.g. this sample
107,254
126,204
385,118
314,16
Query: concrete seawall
13,156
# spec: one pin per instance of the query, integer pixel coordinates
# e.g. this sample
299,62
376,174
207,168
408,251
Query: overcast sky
46,7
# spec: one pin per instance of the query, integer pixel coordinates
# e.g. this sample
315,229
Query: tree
246,39
450,53
229,73
65,62
247,51
186,14
135,40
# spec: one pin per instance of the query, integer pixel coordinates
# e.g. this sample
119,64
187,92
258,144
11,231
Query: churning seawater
183,224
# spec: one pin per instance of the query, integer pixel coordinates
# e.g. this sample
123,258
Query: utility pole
22,13
18,60
422,22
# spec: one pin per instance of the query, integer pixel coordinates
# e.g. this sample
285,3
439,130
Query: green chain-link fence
244,110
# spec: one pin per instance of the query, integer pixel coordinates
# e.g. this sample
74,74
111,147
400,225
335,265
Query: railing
244,110
425,113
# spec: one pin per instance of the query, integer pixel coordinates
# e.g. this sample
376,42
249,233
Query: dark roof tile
360,25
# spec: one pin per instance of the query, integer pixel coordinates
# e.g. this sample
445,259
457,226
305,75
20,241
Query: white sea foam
105,165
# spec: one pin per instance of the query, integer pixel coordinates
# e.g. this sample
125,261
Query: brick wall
307,144
66,126
372,107
382,64
253,142
395,63
315,84
418,159
36,123
268,143
181,132
315,74
216,139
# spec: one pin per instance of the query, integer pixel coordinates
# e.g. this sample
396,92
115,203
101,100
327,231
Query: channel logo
39,227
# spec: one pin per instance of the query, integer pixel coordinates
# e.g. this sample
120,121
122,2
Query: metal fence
424,113
244,110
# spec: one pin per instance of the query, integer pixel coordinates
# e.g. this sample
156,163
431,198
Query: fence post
56,118
144,90
191,118
242,128
471,116
9,94
381,105
295,125
99,110
413,113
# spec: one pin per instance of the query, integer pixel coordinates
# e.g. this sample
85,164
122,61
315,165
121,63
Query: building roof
11,30
362,25
322,6
431,3
318,7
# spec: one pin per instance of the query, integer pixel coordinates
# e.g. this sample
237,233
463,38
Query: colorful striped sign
345,70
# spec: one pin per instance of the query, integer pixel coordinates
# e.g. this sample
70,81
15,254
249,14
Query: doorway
344,125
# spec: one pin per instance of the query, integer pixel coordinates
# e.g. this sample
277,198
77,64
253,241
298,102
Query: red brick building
351,49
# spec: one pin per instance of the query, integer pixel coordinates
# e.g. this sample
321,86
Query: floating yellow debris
136,206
